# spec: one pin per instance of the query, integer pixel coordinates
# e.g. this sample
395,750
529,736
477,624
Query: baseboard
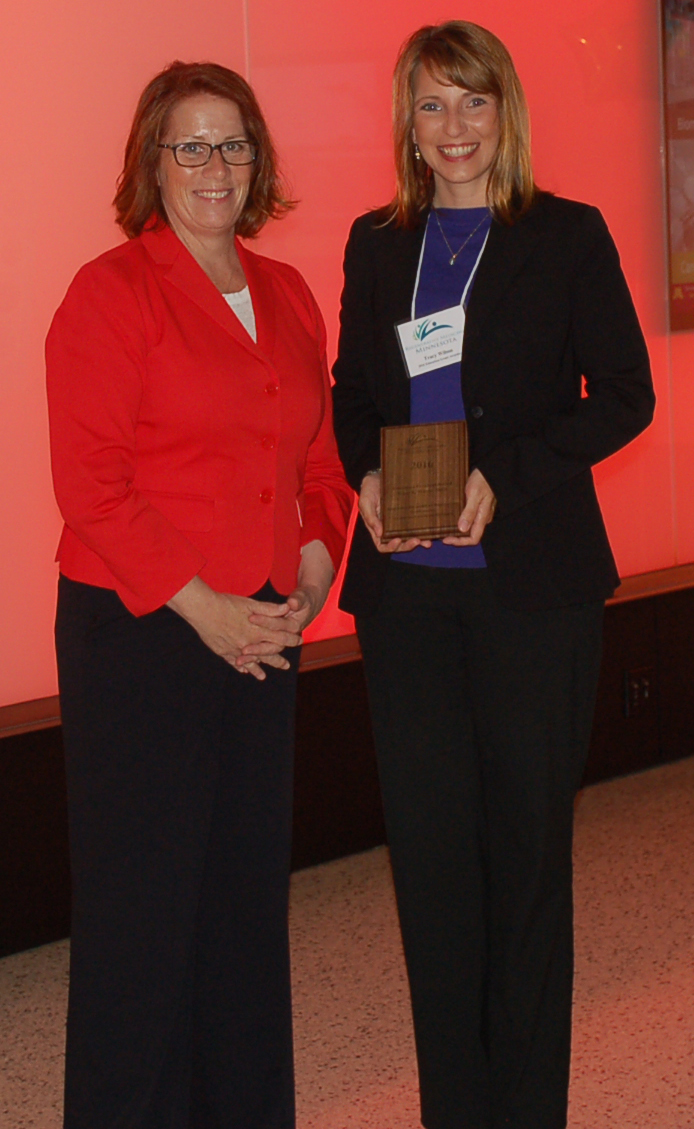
42,713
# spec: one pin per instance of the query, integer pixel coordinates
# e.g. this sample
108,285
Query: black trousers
482,720
179,789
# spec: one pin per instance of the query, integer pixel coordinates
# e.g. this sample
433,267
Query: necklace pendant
454,254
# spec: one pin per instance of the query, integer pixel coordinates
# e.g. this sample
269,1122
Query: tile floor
634,1015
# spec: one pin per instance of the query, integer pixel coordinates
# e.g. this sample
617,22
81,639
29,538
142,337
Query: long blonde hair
465,55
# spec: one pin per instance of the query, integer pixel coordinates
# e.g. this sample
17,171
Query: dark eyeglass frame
252,149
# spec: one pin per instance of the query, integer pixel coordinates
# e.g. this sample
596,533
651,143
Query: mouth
213,194
458,152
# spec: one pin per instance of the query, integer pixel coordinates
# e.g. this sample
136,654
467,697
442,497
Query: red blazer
180,447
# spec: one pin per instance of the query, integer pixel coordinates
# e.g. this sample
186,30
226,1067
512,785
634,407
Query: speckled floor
634,1016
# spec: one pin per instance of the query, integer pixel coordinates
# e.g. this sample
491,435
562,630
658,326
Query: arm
328,504
358,423
328,499
611,354
96,354
316,574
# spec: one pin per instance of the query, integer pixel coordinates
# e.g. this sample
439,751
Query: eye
191,148
235,146
430,107
477,102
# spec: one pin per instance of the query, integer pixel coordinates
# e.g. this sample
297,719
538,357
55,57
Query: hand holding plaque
424,468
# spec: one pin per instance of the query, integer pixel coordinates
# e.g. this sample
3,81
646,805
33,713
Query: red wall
70,76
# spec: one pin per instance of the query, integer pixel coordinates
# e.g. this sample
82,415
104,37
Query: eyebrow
463,90
229,137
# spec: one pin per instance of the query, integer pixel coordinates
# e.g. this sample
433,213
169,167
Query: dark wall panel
625,734
675,621
34,866
337,806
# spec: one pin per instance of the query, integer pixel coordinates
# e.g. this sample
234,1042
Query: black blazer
549,306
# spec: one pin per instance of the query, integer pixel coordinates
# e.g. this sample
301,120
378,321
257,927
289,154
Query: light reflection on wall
322,71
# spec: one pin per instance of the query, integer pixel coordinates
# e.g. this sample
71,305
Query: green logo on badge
427,327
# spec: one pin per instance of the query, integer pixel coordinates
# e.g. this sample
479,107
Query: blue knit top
436,396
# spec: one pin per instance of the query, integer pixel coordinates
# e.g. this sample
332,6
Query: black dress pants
180,789
482,719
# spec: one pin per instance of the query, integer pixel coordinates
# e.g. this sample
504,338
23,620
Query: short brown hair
138,198
465,55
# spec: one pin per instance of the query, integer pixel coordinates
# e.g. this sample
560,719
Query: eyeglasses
193,154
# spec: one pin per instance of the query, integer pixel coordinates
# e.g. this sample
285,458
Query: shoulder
104,290
284,275
379,249
114,268
562,215
563,232
377,229
281,272
289,286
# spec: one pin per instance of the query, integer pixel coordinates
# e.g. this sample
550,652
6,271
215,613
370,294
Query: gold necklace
454,254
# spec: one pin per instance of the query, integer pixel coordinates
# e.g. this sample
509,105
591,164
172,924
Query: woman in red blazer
205,515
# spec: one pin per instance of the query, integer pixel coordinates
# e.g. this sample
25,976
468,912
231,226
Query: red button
268,443
267,496
271,388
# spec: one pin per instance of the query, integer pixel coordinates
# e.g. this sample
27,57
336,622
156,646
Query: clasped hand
227,624
480,504
300,608
247,632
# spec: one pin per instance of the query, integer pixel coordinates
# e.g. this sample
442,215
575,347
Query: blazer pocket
194,512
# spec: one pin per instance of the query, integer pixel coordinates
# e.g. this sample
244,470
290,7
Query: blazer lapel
504,257
185,273
261,286
399,268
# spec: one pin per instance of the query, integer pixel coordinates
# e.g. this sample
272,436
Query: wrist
316,569
375,473
193,600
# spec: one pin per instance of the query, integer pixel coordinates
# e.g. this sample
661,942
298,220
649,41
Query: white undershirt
242,305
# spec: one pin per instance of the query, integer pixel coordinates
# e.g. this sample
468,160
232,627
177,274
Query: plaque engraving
424,468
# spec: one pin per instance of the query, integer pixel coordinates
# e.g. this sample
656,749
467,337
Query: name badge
432,342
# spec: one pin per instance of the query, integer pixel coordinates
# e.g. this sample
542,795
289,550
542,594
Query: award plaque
424,468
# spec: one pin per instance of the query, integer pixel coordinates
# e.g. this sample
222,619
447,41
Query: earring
417,154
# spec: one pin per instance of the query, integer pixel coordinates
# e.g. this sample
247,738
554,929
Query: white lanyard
436,340
468,284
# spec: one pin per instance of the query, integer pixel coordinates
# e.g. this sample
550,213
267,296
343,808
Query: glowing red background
70,77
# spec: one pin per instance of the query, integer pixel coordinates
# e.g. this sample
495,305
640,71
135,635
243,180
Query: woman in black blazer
482,652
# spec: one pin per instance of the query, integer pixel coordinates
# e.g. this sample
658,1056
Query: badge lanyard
436,340
468,284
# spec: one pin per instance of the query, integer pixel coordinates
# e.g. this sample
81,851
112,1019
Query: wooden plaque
424,468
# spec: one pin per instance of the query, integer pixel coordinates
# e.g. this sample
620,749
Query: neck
448,195
216,253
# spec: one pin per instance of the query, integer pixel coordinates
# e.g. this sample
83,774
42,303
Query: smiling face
205,201
457,132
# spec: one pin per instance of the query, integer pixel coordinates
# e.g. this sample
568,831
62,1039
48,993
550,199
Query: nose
216,166
455,124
